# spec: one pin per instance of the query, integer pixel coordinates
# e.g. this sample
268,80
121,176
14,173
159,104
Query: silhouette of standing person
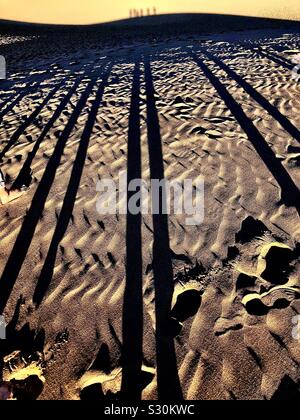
148,11
142,13
154,11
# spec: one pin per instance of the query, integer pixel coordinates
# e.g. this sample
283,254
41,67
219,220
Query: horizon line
132,19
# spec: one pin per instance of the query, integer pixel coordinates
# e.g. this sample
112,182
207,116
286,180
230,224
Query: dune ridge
109,306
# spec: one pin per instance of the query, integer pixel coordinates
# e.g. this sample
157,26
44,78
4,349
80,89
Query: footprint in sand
278,298
185,305
7,196
100,383
274,262
294,160
24,371
25,358
96,386
274,268
23,377
268,283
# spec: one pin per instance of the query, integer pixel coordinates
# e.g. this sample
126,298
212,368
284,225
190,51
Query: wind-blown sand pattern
108,307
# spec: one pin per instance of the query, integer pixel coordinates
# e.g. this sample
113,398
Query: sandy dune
140,306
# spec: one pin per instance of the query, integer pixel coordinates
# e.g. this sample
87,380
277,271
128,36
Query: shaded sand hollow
104,306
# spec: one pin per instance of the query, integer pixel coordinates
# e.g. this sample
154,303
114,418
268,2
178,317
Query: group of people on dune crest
133,13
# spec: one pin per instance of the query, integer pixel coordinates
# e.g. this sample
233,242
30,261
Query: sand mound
109,306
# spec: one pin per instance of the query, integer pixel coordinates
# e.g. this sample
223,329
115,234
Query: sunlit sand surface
97,310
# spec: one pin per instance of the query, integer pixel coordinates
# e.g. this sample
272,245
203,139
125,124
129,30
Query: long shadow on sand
275,58
33,85
24,239
260,99
132,354
28,121
290,194
167,372
25,172
70,196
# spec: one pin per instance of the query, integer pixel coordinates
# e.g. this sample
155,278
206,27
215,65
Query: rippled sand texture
140,306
